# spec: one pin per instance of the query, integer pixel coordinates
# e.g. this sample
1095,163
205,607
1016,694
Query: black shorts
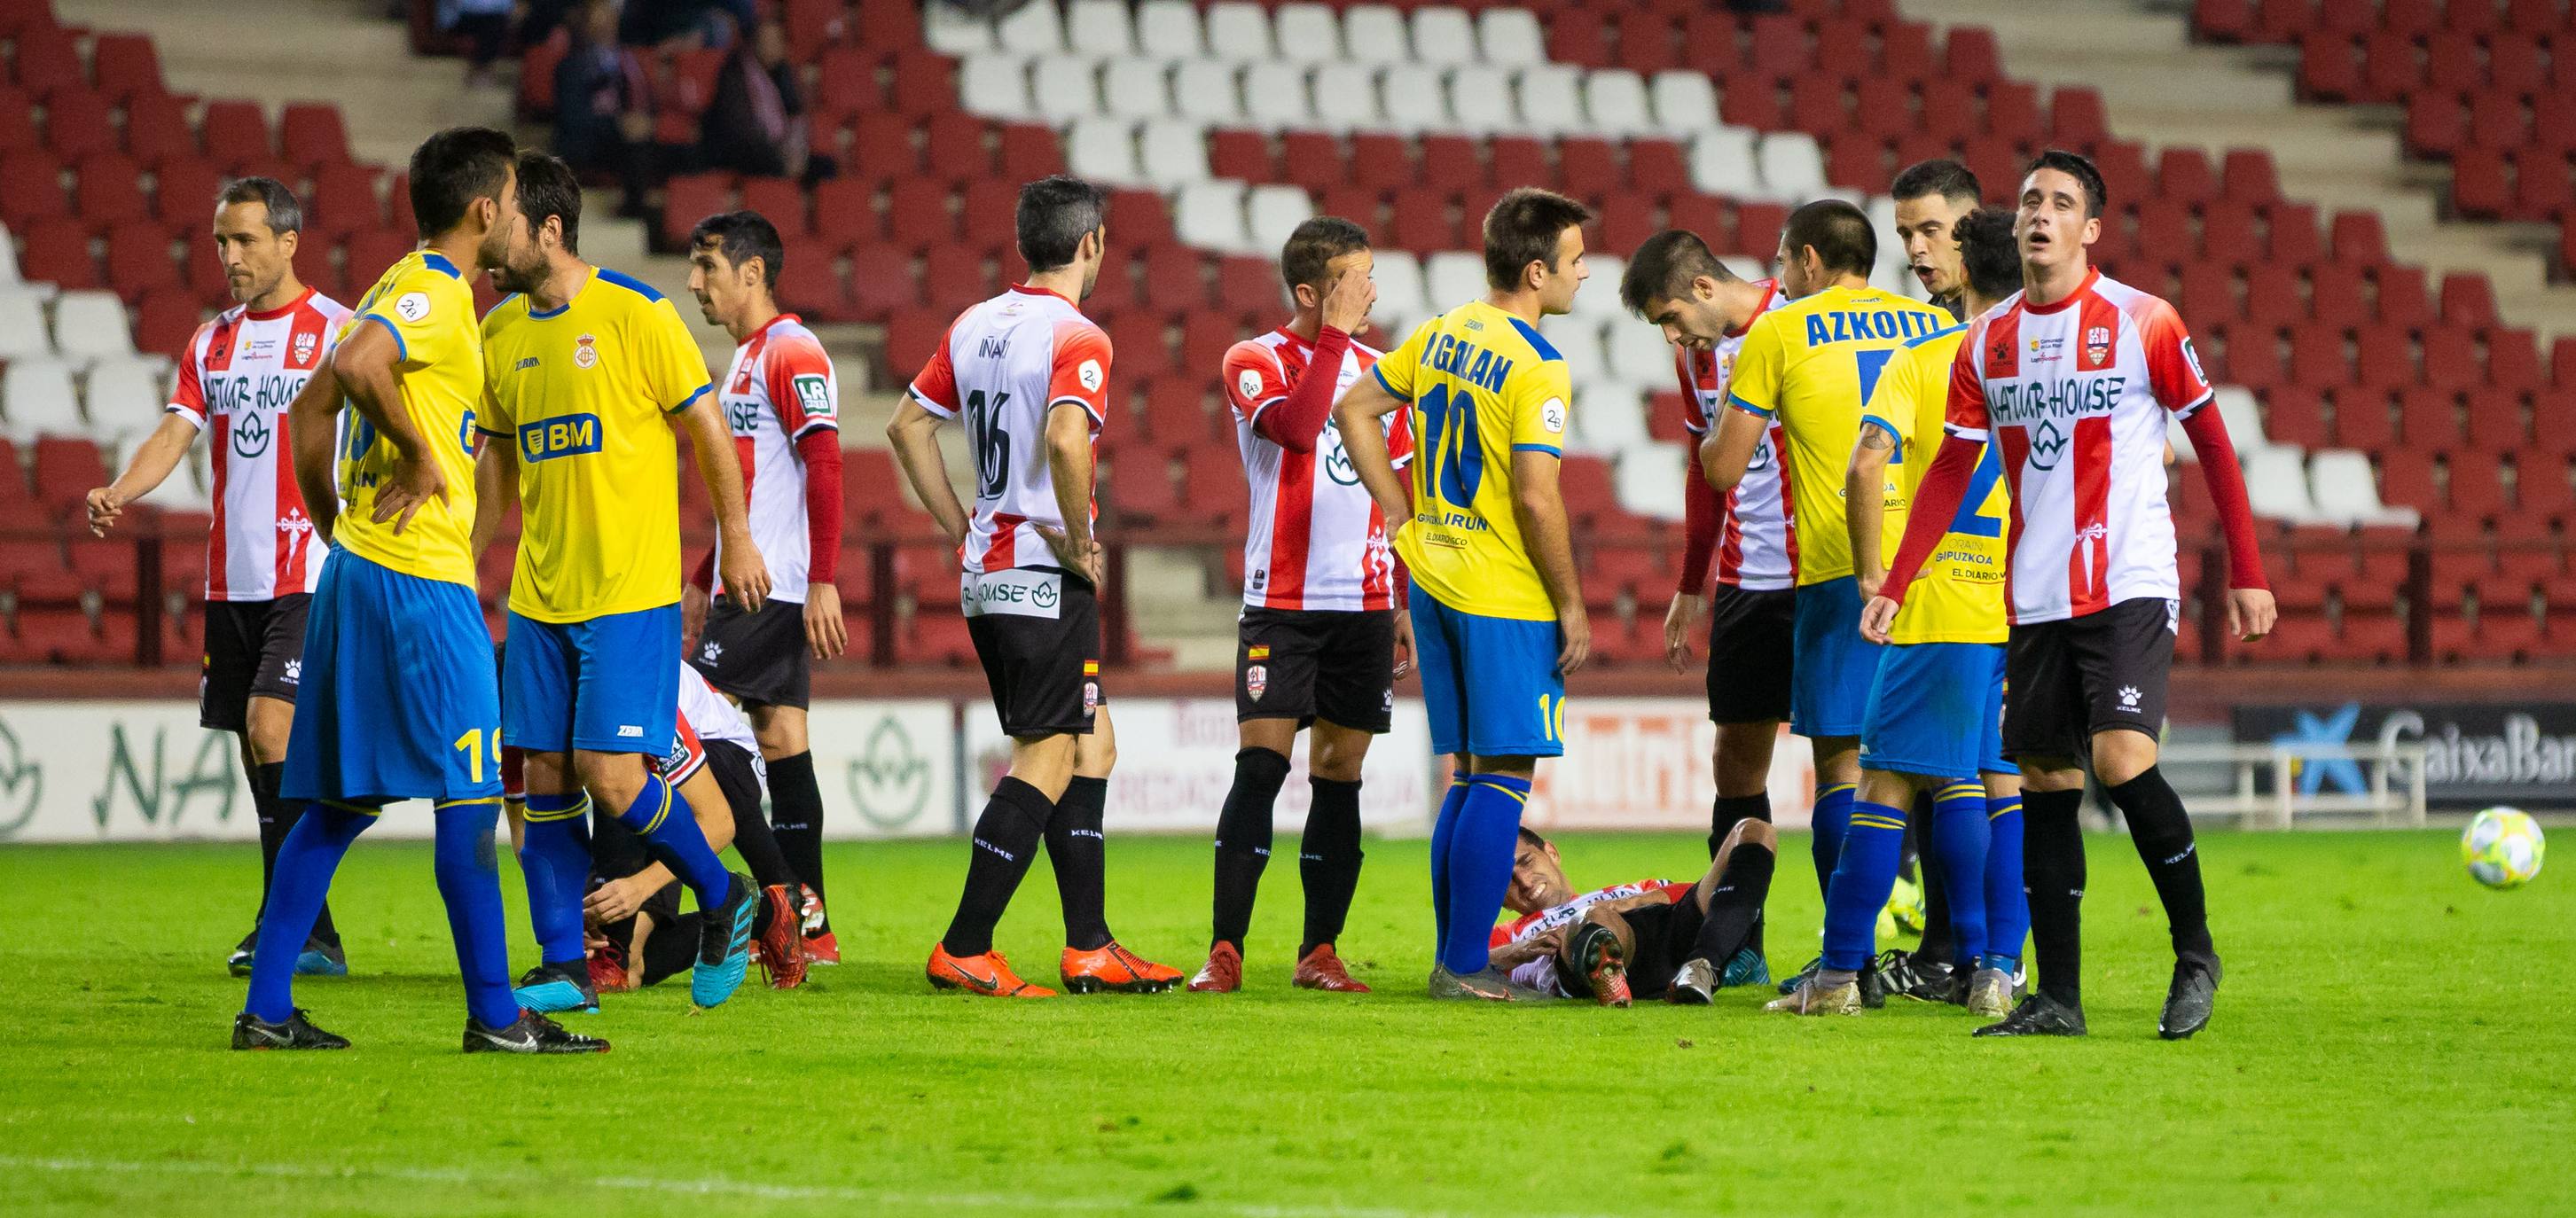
253,649
1309,664
759,658
738,774
1665,935
1751,639
1037,630
2066,680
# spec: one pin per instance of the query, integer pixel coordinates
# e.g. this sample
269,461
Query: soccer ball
2503,848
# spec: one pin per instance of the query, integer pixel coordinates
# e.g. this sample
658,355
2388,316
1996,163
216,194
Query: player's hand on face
1876,618
106,503
1403,643
2250,613
824,629
413,482
1574,627
746,576
693,616
1347,301
1679,618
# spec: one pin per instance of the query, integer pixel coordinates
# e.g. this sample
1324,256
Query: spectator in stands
485,27
685,25
603,114
756,124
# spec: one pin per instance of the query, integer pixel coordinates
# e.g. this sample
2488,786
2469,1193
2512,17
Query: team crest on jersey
585,352
1256,681
305,344
2097,345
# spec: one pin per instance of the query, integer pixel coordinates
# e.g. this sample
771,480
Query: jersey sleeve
936,388
1966,412
1754,387
2173,368
1538,403
668,359
1395,370
1081,371
1253,381
801,387
188,396
492,418
426,312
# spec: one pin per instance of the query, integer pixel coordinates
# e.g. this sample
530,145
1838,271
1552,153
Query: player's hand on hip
1083,558
1403,643
746,575
2250,613
106,503
693,616
1876,618
1679,618
412,484
1574,630
824,629
1348,300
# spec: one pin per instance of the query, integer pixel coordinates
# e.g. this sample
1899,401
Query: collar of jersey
537,314
281,310
2092,275
1025,290
1770,293
769,325
438,262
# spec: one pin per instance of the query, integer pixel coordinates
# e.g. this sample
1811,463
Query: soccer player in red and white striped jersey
2075,376
236,377
782,402
1321,642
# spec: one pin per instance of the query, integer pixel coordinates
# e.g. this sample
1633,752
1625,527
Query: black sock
2161,830
1735,908
1079,853
1936,946
277,816
796,808
1328,860
760,850
1724,815
615,850
670,950
1243,841
2053,875
1006,842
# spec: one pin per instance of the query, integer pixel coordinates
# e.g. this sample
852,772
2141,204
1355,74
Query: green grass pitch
2390,1038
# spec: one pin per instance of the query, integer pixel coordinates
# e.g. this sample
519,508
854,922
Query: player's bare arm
746,575
914,435
1728,450
1522,951
153,460
313,433
1682,619
1865,505
1540,507
1358,414
364,365
496,490
1068,441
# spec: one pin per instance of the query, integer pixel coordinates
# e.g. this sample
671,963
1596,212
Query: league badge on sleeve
1552,416
412,306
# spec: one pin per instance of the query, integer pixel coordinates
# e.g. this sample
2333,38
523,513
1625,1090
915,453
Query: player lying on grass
1644,939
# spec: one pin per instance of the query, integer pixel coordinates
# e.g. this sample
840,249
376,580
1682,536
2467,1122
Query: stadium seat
1169,30
1510,36
89,325
2344,491
36,395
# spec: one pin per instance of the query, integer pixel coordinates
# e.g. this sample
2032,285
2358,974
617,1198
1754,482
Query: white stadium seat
1064,88
37,396
1203,90
1102,150
1578,339
1599,298
1443,35
2340,481
1209,216
995,85
2244,419
1169,29
2276,485
1375,34
1135,88
1721,163
1551,99
1346,97
1452,278
1480,100
89,325
951,30
1274,95
1793,167
9,280
123,395
1173,152
1272,212
1685,103
185,490
1240,31
1034,28
22,325
1099,27
1510,36
1612,416
1413,98
1640,356
1308,32
1893,274
1399,288
1615,103
1652,479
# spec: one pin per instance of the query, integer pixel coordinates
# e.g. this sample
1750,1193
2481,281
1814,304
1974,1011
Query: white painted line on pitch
711,1186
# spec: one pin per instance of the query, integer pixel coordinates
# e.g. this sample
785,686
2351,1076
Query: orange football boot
1322,970
821,946
988,974
781,948
1111,967
1223,972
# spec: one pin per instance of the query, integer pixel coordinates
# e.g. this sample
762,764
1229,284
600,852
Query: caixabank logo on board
2474,754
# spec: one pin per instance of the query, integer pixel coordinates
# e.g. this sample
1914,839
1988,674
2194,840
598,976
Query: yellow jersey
1959,597
1482,385
423,301
582,392
1811,363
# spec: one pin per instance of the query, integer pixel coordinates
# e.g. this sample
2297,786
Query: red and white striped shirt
1756,548
1004,365
2077,393
1317,539
779,390
236,378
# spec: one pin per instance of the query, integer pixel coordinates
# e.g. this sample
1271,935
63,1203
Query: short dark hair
285,214
1988,252
1531,836
548,189
1941,176
1313,246
2097,195
1523,227
742,236
1838,232
1054,215
453,168
1664,267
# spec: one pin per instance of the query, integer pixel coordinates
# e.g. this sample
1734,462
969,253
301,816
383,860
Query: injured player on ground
1643,939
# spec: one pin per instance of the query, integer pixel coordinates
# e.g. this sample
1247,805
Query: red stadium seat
1315,160
139,261
48,61
2400,298
312,135
163,321
2077,118
57,251
124,65
2429,420
66,467
236,134
2329,67
781,200
77,124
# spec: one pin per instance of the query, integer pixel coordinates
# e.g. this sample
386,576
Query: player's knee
1334,757
2120,755
614,780
1750,832
2051,774
1887,788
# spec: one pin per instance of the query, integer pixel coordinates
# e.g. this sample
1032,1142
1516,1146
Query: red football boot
988,974
1223,972
1322,970
1111,967
781,947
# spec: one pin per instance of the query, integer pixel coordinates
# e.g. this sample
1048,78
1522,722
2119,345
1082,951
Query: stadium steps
2163,90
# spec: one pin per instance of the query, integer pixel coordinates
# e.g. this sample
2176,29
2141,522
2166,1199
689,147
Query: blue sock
1481,845
662,817
1833,812
554,855
305,860
1861,882
1441,831
1958,840
2007,904
469,880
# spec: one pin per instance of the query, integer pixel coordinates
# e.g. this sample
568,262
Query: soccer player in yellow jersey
1811,363
399,701
1498,615
589,371
1935,720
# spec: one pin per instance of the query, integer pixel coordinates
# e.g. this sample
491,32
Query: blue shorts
610,684
398,699
1937,709
1489,684
1829,682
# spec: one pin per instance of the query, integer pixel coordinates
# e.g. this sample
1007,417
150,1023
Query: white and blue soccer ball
2503,848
